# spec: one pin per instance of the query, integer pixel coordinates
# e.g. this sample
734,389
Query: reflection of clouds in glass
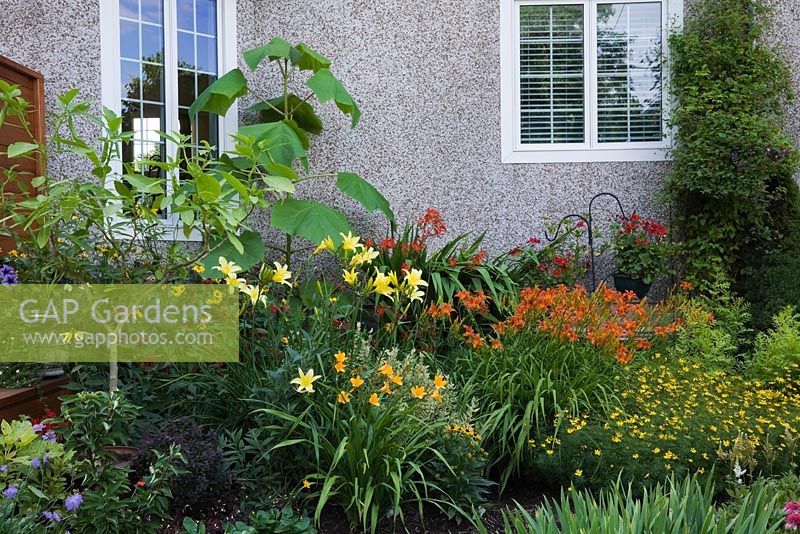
186,15
206,16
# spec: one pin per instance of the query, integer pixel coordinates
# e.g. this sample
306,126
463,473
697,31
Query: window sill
586,156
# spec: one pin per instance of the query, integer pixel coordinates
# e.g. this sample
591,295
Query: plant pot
123,455
623,283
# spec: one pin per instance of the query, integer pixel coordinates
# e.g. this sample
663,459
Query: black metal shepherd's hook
590,229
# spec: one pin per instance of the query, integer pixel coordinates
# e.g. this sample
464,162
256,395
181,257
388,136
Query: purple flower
38,428
3,468
36,463
52,516
49,436
11,491
73,502
8,275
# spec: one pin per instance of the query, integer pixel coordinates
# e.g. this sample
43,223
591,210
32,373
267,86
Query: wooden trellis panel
31,83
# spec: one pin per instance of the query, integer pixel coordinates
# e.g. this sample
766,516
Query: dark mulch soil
528,497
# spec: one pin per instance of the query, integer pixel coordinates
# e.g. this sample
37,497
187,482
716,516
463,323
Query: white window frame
111,89
513,151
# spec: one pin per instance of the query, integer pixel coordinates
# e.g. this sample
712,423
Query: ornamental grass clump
676,417
366,432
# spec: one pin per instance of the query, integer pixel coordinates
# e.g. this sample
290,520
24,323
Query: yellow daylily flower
356,382
350,277
343,398
326,244
305,381
365,256
373,400
381,284
350,242
436,395
234,281
254,292
227,268
413,278
282,274
386,369
439,381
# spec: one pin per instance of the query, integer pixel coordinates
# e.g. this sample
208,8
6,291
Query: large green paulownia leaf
364,193
304,114
310,59
282,143
309,219
277,48
253,253
326,88
220,95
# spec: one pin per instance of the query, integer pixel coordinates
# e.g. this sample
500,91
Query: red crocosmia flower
405,267
379,311
369,243
418,245
480,257
534,241
557,273
140,483
452,261
273,309
581,225
516,251
387,244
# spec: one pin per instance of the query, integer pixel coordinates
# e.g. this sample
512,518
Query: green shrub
771,282
776,357
679,505
733,165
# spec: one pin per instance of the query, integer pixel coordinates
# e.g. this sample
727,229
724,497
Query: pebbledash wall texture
427,76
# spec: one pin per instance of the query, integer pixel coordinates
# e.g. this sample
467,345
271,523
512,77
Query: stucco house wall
427,76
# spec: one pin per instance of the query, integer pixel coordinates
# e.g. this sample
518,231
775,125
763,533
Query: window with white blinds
551,74
586,76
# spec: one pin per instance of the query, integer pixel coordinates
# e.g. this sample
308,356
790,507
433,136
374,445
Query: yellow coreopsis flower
227,268
343,398
326,244
579,472
199,269
350,242
418,392
282,274
305,381
350,277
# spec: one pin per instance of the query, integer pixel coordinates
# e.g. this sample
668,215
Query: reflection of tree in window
629,74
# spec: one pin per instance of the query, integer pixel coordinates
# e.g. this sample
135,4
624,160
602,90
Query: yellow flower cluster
257,293
464,430
408,283
677,412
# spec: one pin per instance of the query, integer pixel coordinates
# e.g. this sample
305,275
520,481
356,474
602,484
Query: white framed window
586,80
157,56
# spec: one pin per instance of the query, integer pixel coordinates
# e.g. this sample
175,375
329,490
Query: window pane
629,74
152,11
186,15
129,9
152,44
186,50
186,94
131,84
207,16
129,39
206,54
551,74
153,83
